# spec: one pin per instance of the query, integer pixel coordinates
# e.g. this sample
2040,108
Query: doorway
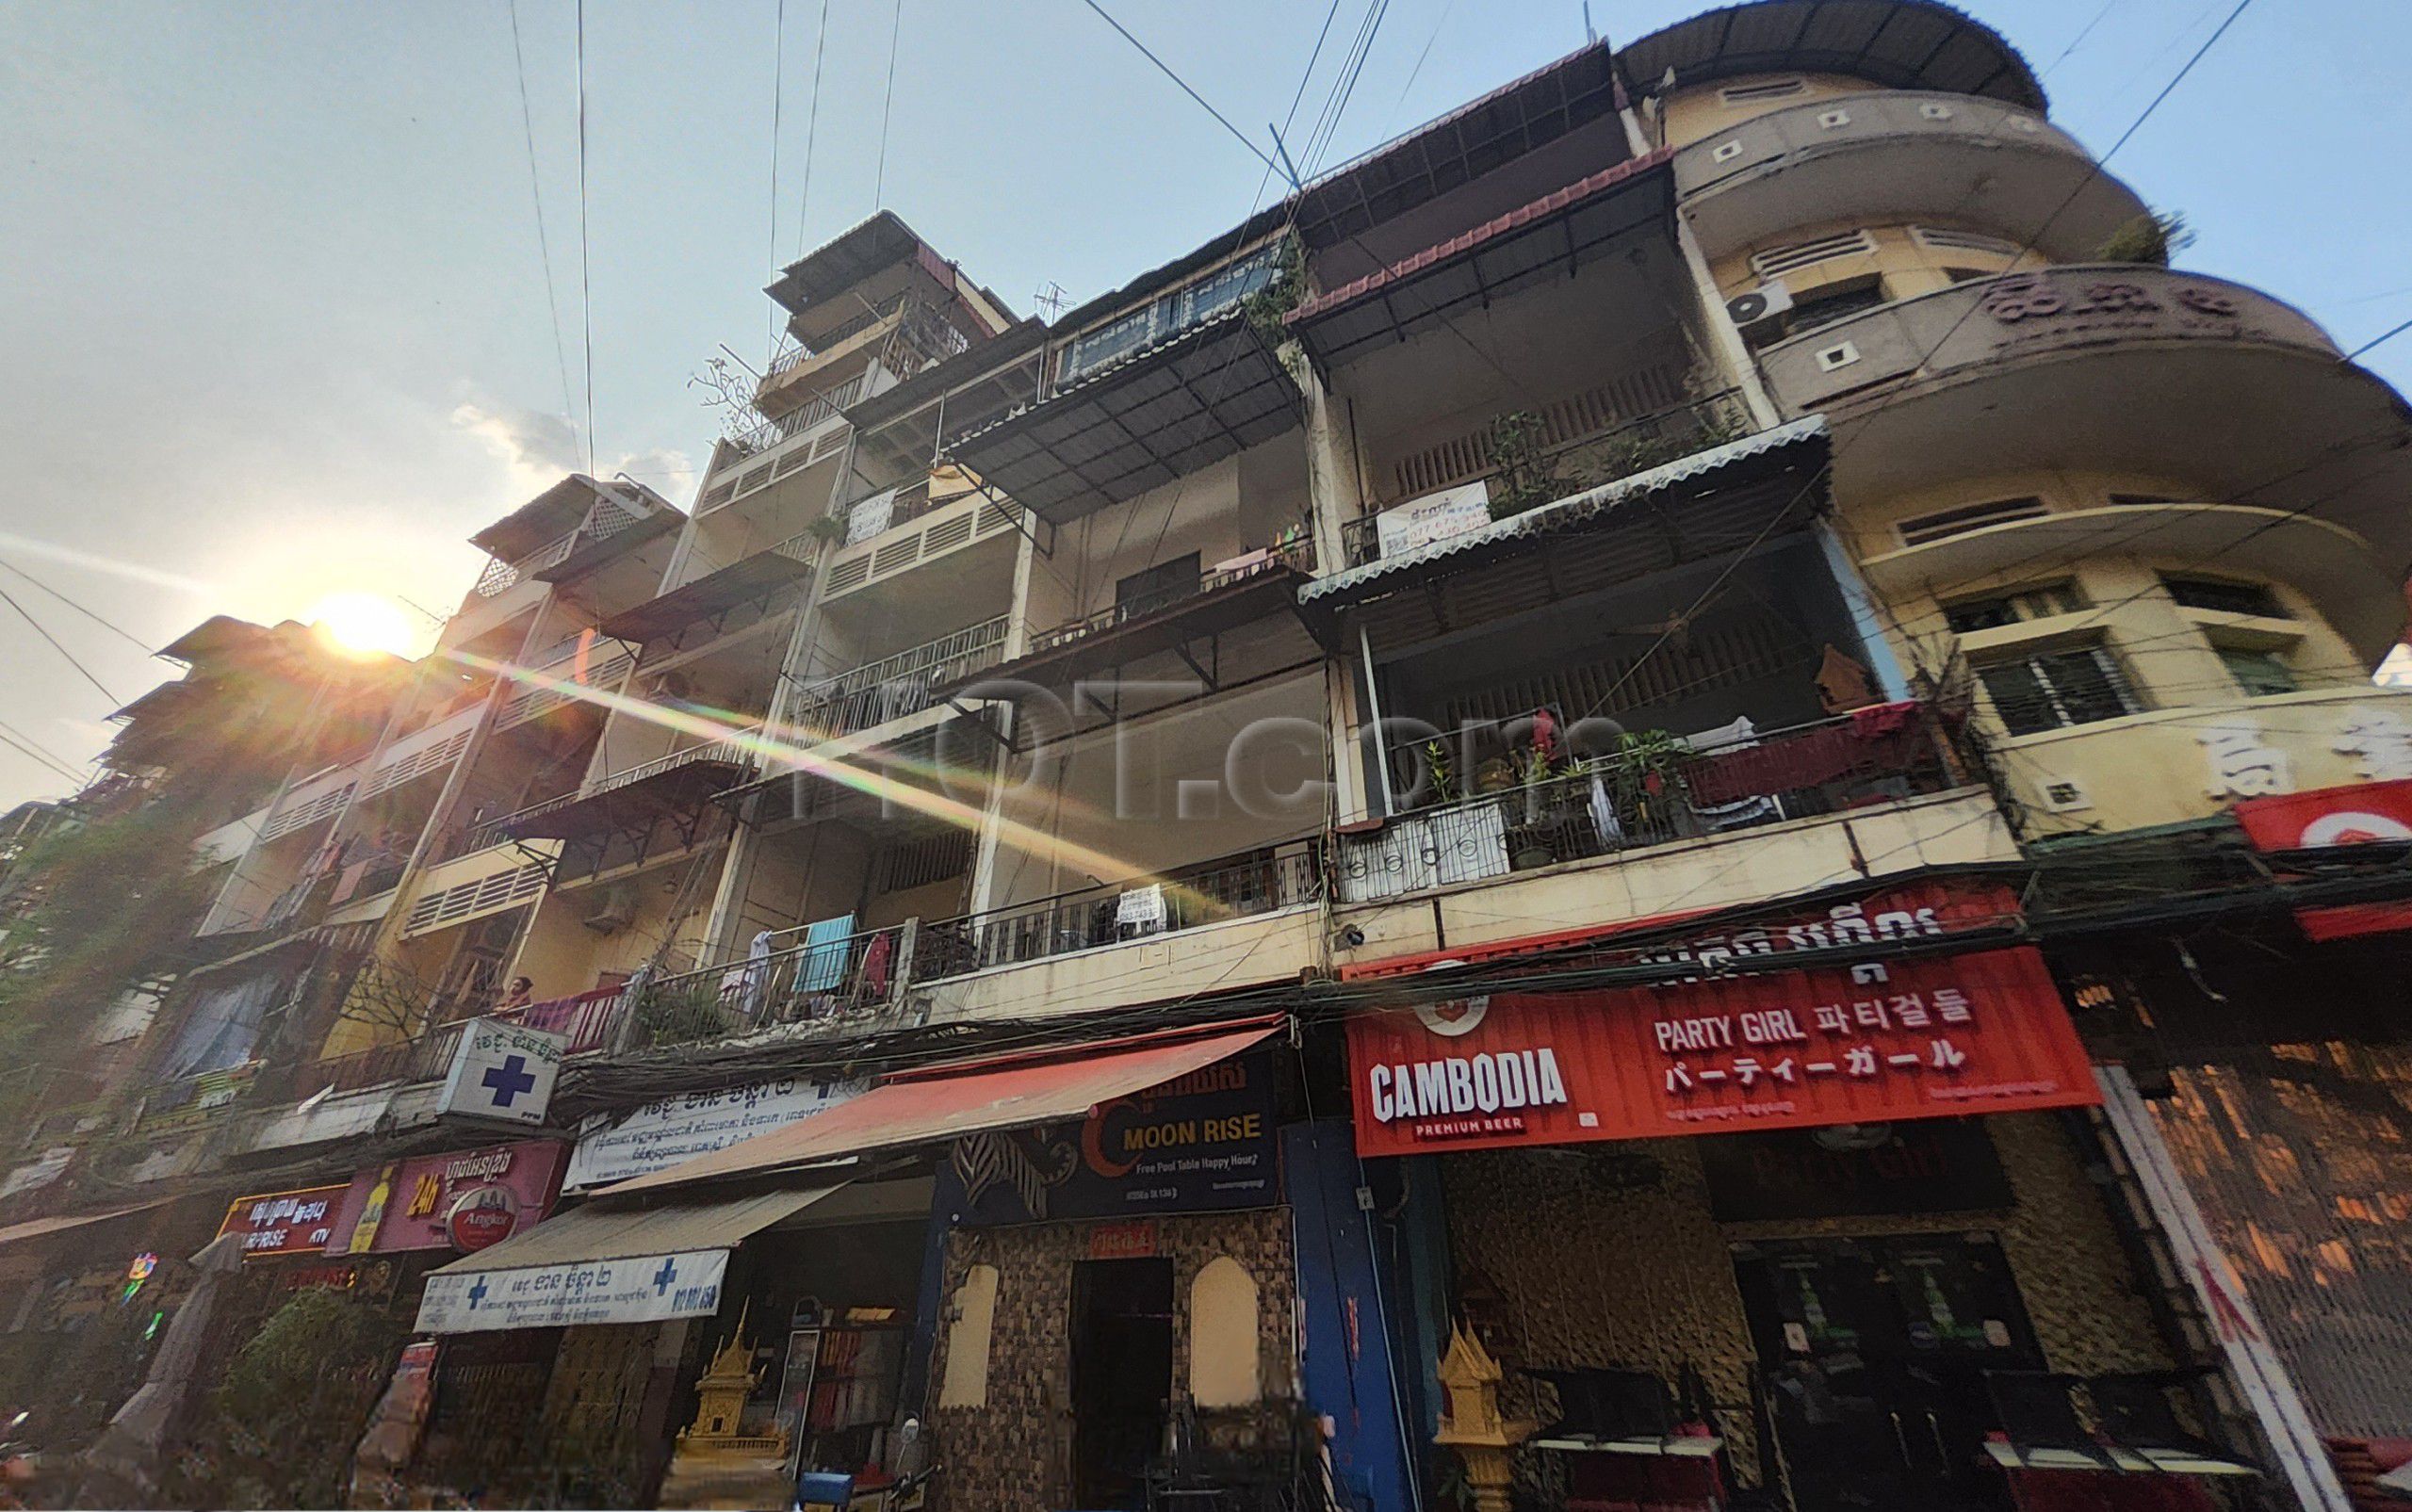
1122,1338
1872,1356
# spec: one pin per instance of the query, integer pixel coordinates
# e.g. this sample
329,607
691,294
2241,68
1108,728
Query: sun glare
362,625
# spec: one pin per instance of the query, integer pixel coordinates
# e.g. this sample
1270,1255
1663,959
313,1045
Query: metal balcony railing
1295,555
770,433
845,982
1602,456
1256,881
736,747
1639,798
895,687
603,522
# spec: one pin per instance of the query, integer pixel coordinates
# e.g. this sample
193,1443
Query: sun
362,625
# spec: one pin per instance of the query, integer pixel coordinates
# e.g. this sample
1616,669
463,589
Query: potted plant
1646,781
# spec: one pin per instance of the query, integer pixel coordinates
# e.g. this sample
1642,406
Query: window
1837,302
2135,502
1967,275
1994,613
1144,592
1917,529
2053,689
2260,674
1775,88
2224,597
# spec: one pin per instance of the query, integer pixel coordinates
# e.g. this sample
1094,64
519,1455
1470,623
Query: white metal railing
896,685
795,422
604,521
736,746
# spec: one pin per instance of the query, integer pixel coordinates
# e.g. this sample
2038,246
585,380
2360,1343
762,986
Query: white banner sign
640,1289
1433,517
503,1072
661,1134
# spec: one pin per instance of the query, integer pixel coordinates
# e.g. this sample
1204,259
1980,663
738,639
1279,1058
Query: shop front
1104,1304
1824,1235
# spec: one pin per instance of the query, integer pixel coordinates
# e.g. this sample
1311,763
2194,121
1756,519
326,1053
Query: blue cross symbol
509,1080
662,1278
476,1294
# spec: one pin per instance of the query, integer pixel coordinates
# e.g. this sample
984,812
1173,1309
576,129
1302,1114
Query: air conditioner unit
1758,312
619,905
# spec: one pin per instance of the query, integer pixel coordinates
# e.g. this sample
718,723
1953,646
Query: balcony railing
1296,555
1636,799
794,423
1587,462
735,747
1258,882
605,521
895,687
844,981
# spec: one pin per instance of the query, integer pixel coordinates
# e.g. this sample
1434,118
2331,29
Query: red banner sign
2353,815
282,1223
463,1200
1930,1037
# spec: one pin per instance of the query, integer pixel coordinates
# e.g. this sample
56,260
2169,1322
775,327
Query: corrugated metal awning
605,1232
40,1228
945,1102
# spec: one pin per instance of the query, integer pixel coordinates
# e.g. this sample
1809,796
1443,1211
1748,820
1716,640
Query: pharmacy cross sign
503,1073
509,1079
478,1293
662,1278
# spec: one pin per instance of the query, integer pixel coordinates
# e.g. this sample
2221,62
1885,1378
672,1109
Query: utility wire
2389,334
1166,69
886,106
535,191
779,94
6,598
10,735
585,264
812,125
105,624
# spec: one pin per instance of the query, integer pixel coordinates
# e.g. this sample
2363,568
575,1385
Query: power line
6,598
585,266
1166,69
11,736
779,94
887,105
105,624
535,191
2389,334
812,125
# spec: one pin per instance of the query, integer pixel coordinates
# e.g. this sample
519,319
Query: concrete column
1333,477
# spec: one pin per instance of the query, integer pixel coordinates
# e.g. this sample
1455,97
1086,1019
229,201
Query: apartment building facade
1673,793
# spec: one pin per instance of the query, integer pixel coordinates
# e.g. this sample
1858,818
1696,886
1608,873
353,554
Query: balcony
1137,418
1600,458
1896,156
876,574
558,677
1624,801
896,686
2110,367
570,530
696,771
800,986
1115,914
902,333
751,589
751,460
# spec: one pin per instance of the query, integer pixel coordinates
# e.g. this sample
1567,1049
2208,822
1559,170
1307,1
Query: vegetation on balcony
2151,238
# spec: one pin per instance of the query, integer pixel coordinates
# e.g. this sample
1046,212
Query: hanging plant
1525,475
1267,308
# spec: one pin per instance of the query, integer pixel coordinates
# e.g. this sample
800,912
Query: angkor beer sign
1885,1040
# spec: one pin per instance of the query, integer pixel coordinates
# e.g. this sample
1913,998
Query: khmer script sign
661,1134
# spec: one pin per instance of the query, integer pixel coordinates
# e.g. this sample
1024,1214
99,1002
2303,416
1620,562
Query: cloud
532,442
116,566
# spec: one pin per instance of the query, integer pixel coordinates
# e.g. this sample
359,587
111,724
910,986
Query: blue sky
275,321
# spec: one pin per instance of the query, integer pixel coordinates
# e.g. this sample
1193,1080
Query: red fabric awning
945,1102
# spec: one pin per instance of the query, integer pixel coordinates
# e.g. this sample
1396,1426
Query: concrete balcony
1620,840
974,536
2170,766
1900,155
1233,922
2109,367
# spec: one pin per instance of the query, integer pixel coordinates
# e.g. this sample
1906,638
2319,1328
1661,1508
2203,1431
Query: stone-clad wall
1595,1267
1015,1453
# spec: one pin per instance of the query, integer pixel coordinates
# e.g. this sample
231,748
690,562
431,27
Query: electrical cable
11,737
886,106
585,262
1166,69
6,599
103,620
778,96
535,191
812,125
